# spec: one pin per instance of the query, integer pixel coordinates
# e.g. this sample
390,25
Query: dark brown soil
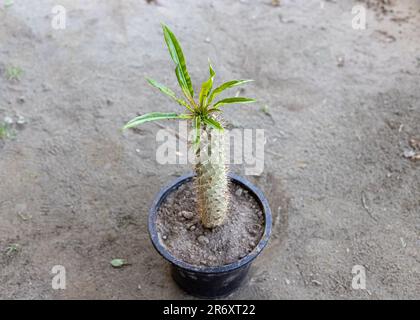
181,232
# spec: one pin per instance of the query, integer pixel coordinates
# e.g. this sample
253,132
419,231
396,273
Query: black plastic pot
209,282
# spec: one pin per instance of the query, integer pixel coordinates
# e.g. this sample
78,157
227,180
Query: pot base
209,285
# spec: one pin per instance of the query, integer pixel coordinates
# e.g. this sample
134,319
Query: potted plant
209,224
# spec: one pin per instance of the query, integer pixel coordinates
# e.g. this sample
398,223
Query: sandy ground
343,105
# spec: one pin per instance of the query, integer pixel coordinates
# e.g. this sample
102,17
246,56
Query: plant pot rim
164,192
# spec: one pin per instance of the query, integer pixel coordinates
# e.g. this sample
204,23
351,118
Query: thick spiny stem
212,182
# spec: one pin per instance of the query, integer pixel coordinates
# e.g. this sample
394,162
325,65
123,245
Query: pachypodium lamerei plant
204,115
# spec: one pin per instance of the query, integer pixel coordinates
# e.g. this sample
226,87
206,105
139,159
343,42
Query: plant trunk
212,182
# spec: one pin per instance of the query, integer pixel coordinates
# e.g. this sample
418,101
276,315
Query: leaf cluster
199,109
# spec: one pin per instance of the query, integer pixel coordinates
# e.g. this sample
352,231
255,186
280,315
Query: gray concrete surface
344,103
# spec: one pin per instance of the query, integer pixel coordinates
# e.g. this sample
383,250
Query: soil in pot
181,233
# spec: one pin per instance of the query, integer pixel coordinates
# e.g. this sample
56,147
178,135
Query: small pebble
253,230
340,61
8,120
193,227
21,120
187,214
45,87
285,20
164,237
203,239
408,153
239,192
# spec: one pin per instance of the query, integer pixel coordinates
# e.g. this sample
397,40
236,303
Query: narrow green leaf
225,86
213,123
153,116
211,71
213,110
233,100
162,88
182,82
168,92
206,87
178,57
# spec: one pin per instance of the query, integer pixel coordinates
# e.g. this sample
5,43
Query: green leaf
225,86
213,123
182,82
168,92
118,263
213,110
178,57
233,100
207,86
153,116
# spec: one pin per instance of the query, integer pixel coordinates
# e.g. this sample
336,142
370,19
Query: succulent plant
204,115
